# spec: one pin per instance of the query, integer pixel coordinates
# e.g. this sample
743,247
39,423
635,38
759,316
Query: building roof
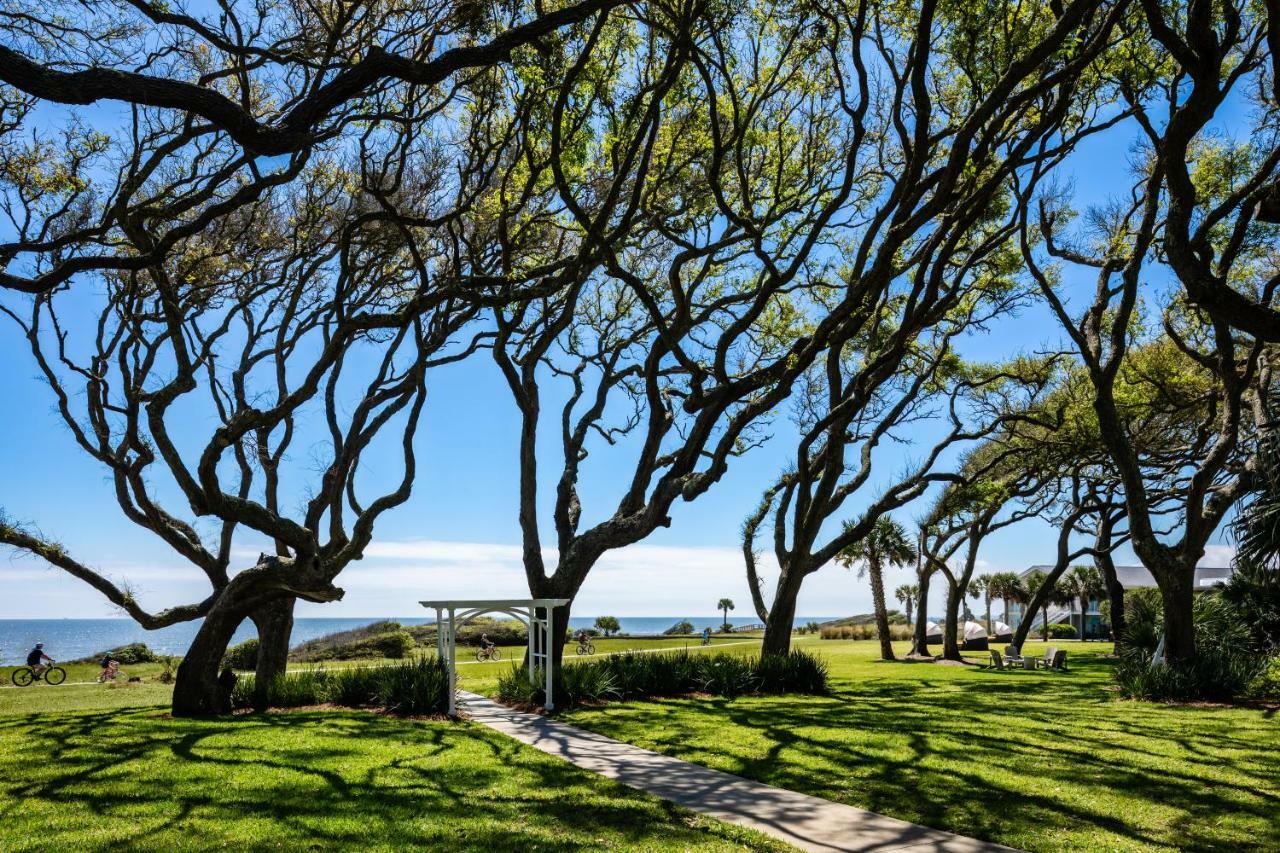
1137,577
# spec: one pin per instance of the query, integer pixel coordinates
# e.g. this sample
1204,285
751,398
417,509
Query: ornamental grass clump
412,687
634,675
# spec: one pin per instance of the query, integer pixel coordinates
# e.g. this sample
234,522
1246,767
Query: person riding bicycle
706,636
583,637
110,668
486,643
36,658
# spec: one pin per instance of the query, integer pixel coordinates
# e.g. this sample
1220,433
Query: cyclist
583,636
486,643
110,668
706,636
36,658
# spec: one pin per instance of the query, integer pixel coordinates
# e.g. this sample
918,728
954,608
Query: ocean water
69,639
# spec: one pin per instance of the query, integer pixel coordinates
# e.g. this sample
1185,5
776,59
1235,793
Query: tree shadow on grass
325,780
1045,762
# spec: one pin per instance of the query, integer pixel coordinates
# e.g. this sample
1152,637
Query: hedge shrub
633,675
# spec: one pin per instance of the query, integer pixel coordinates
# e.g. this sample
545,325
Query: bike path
460,663
809,823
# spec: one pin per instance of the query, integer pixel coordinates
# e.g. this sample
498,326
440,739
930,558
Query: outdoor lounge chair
1059,661
1012,653
997,662
1049,654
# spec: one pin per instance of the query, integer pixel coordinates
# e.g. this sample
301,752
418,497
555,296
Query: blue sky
457,536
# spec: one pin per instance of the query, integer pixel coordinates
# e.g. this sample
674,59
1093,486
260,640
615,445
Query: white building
1093,624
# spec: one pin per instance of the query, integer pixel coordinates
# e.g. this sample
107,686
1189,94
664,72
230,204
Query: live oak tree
1178,412
1219,195
920,272
198,114
704,222
301,330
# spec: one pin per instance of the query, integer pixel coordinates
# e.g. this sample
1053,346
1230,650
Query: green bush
1225,665
1266,684
633,675
1254,591
682,627
1062,631
243,655
396,645
411,687
133,653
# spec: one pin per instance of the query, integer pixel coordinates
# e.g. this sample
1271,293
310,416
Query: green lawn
314,780
91,766
1039,761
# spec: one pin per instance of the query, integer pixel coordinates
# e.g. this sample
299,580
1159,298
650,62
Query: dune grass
1040,761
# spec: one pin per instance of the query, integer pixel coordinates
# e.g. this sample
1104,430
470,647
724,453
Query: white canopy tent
933,632
1000,629
974,631
535,613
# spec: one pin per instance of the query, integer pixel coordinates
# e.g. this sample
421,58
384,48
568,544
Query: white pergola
535,613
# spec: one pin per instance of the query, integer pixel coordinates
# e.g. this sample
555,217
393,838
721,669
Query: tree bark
1115,599
782,615
950,644
1039,602
275,628
196,692
1179,628
920,640
882,613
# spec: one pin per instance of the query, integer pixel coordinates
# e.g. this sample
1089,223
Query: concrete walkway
810,823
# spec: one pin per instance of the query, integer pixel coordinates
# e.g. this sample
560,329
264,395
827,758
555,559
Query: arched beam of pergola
535,613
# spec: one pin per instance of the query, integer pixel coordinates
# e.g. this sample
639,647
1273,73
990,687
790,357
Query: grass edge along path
807,822
317,780
1039,761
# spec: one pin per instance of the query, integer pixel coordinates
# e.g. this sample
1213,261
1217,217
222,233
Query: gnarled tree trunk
196,691
1176,594
920,640
950,634
782,616
1115,599
275,628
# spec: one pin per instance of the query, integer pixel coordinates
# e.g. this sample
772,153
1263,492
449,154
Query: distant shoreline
71,638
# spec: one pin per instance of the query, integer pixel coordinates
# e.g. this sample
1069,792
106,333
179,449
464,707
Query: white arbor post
536,613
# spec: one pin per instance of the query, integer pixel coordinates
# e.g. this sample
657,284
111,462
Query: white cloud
641,580
1218,555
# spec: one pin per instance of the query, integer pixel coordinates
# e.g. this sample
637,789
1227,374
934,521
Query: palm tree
1085,584
907,595
980,587
1008,587
886,544
725,605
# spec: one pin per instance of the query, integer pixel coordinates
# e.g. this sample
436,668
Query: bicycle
488,653
113,674
25,676
586,647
